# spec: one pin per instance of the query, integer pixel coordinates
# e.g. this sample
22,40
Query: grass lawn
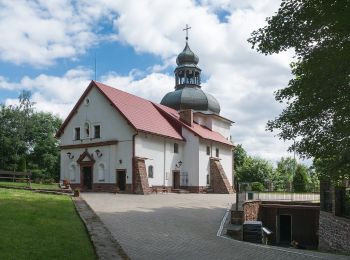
32,185
41,226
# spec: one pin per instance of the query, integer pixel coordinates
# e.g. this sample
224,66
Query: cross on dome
186,29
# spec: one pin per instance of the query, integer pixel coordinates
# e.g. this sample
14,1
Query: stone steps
182,191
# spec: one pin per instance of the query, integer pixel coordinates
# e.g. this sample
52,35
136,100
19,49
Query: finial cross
186,29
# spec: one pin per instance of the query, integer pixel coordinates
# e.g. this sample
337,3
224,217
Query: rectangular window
150,171
208,150
176,148
217,152
77,133
97,131
208,179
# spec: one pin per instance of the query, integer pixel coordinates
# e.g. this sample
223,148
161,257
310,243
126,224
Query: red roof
140,113
199,130
146,116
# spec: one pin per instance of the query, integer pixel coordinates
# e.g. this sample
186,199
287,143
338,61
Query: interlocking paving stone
180,226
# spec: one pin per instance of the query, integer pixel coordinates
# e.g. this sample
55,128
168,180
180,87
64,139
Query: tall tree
239,155
300,179
318,97
27,139
255,170
283,175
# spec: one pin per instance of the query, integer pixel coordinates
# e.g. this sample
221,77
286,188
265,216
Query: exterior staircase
218,179
180,191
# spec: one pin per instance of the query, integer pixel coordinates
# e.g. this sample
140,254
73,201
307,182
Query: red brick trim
87,145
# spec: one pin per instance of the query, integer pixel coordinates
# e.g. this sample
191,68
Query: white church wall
123,160
113,127
221,126
204,162
107,161
214,123
225,154
159,152
97,112
203,120
191,157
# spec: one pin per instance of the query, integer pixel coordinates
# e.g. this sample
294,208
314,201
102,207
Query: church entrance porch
86,162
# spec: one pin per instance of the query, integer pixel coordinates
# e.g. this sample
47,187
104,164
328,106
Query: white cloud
241,79
40,32
52,93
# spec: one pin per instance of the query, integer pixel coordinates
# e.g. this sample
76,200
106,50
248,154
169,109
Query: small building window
208,150
97,131
176,148
208,179
217,152
77,133
87,129
150,171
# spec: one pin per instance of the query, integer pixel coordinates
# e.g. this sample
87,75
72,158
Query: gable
139,113
99,112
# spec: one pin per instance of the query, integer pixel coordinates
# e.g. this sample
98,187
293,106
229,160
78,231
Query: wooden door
87,178
176,179
121,180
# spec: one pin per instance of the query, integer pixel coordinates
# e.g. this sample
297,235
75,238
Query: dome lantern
188,93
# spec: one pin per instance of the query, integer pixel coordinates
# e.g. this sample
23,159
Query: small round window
87,101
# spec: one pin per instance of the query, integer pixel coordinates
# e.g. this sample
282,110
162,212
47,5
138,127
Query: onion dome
187,57
191,98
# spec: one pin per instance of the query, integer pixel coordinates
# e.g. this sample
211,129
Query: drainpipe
133,163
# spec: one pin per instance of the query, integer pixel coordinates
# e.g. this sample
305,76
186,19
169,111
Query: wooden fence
15,176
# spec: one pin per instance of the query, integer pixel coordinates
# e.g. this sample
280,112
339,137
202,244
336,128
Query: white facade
119,142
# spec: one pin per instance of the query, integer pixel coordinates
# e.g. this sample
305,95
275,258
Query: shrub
257,186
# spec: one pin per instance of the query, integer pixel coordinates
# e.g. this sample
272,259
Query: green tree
300,179
318,96
45,152
254,170
27,139
239,155
283,174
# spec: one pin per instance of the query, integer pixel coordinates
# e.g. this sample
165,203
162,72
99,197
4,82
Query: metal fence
281,196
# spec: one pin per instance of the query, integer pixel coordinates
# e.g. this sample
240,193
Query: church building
117,142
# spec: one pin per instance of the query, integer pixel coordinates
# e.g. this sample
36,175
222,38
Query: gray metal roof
191,98
187,57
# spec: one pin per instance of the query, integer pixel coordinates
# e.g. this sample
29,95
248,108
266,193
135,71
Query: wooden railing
15,176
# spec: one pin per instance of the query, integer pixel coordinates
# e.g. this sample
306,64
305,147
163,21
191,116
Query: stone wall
218,179
334,233
252,210
141,178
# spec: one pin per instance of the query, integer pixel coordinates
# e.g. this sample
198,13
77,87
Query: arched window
72,170
150,171
87,129
101,172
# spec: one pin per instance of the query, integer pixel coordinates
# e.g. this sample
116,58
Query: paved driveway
180,226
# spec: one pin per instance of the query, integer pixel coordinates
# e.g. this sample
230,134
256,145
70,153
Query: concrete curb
106,247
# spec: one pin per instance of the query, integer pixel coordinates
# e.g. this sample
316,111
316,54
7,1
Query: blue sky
51,45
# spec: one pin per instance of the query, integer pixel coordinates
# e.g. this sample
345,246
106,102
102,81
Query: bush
300,180
257,186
